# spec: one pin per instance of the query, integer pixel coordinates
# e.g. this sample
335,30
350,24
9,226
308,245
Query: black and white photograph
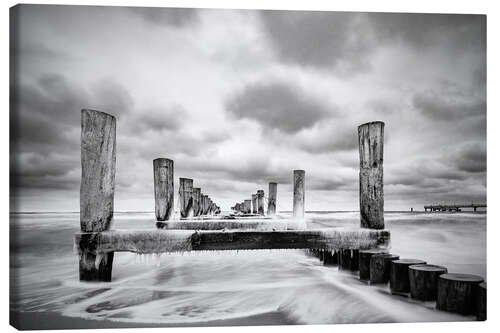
200,167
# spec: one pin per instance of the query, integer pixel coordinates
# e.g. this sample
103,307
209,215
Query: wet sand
56,321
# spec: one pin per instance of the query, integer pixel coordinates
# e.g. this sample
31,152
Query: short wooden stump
424,281
400,281
364,262
457,293
481,302
380,267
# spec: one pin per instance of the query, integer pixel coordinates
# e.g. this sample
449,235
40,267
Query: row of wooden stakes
464,294
192,202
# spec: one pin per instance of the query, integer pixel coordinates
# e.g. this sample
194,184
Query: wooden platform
163,241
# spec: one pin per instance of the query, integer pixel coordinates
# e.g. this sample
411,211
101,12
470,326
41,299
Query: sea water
200,287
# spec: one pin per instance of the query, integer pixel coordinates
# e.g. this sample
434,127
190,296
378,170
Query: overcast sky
240,98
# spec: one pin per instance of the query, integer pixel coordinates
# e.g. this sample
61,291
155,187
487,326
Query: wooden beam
161,241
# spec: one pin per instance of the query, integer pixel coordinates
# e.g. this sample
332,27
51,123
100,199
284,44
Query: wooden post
400,281
163,169
457,293
186,197
299,179
424,281
348,259
248,206
271,200
481,302
371,174
260,202
97,188
364,262
254,203
380,267
196,201
204,200
330,258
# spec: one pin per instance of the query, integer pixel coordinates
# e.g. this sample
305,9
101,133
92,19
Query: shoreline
56,321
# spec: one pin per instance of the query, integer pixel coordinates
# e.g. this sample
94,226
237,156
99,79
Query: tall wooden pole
254,203
298,193
271,201
97,188
260,202
186,196
163,169
196,201
371,174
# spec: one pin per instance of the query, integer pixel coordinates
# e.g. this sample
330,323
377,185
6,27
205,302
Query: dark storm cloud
277,105
438,106
45,115
471,158
174,17
462,32
319,40
345,41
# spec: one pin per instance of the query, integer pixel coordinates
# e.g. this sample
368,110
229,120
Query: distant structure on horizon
453,208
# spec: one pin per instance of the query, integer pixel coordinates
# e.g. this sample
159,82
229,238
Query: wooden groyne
364,249
452,208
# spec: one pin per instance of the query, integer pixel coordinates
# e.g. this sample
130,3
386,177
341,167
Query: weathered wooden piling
247,206
424,281
371,174
271,200
196,201
163,169
254,203
364,262
260,202
186,197
458,292
380,267
98,159
299,178
400,281
97,188
348,259
481,302
205,204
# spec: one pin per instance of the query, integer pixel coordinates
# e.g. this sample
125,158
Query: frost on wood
224,225
362,239
159,241
98,158
138,241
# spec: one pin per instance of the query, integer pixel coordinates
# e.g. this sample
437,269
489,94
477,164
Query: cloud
471,157
276,105
438,106
459,32
173,17
319,40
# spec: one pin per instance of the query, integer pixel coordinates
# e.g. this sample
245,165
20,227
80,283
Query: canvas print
224,167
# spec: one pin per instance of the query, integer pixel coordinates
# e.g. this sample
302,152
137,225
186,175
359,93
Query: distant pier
453,208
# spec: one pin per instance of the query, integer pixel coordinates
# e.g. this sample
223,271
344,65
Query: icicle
98,258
